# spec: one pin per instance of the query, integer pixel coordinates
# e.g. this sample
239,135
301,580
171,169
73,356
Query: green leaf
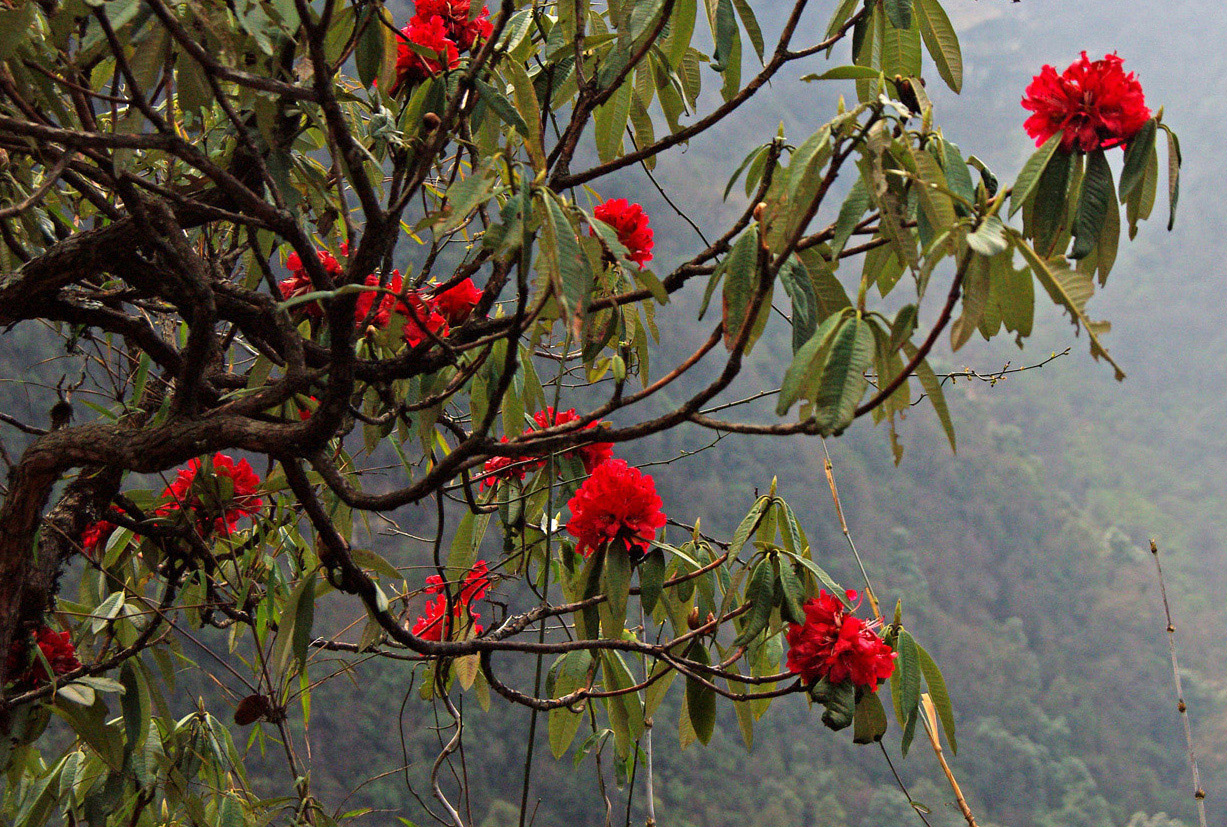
501,106
725,33
616,584
856,204
625,710
609,122
843,377
1070,289
740,281
569,673
989,238
909,673
800,290
700,698
1029,175
840,703
746,13
842,13
1048,212
1136,157
570,270
793,592
530,111
135,702
760,594
899,13
941,41
806,362
869,719
1173,175
937,692
368,52
747,526
651,579
370,560
933,389
958,176
846,73
657,689
901,50
1098,196
14,24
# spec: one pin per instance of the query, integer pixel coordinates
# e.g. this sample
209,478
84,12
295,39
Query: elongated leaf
740,281
937,692
1173,175
746,12
941,41
1136,157
700,698
908,664
805,362
846,73
793,592
616,584
843,378
800,289
570,269
869,719
1029,175
609,122
760,594
569,673
1070,289
725,33
899,13
747,526
842,13
1098,196
901,50
933,389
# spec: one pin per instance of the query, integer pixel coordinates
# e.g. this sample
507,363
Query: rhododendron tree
374,336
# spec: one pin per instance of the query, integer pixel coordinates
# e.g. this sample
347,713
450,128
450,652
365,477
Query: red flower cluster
443,29
462,30
457,302
94,538
206,496
616,503
838,646
434,314
506,468
1093,103
631,222
430,35
299,282
57,650
472,588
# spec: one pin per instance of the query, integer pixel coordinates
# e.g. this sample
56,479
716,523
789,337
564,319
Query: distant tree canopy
369,257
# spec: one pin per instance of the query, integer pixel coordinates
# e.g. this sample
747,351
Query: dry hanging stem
1198,793
930,722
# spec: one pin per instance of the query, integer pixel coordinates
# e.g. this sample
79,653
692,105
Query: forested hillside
1020,560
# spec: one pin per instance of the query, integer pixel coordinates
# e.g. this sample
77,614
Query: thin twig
1199,794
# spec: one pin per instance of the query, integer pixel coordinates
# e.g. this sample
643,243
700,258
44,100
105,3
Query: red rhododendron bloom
592,454
207,497
499,469
95,536
455,15
56,649
617,503
1093,103
299,282
386,301
472,588
838,646
430,34
631,222
419,313
457,303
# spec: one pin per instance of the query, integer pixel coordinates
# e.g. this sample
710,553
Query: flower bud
431,121
371,331
694,621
